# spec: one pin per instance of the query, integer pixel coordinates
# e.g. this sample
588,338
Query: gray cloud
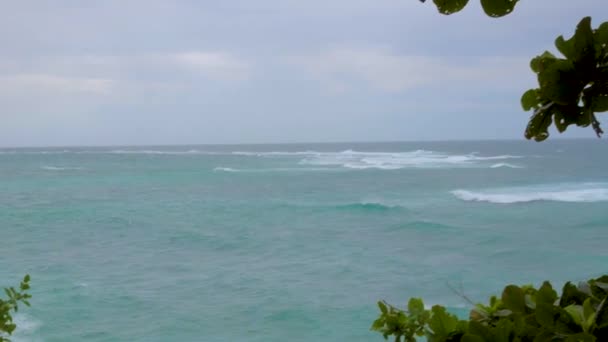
386,71
155,72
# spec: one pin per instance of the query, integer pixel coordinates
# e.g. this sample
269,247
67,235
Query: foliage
520,314
11,304
493,8
571,89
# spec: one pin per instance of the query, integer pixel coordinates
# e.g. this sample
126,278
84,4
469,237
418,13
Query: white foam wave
504,156
157,152
381,203
225,169
507,165
273,153
400,160
348,159
587,192
276,169
59,168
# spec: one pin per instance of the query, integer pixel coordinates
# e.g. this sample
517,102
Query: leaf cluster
493,8
10,305
436,324
571,89
522,313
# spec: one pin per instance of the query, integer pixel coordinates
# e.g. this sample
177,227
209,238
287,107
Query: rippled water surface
288,242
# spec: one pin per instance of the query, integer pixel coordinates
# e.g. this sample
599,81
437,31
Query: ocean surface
289,242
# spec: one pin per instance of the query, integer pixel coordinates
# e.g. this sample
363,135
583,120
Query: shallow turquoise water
288,242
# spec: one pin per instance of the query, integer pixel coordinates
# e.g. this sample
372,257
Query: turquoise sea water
288,242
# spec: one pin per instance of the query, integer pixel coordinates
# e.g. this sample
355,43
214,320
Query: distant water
289,242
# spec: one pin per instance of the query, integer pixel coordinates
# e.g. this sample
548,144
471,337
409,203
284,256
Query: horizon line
297,143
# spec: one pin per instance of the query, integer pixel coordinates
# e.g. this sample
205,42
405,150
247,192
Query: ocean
291,242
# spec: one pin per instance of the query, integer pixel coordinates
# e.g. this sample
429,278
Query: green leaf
415,306
382,307
584,49
442,323
545,314
498,8
481,330
576,313
539,63
378,324
589,322
589,313
559,83
530,99
565,116
571,295
580,45
582,337
503,330
584,119
599,103
539,123
600,38
546,294
601,34
566,47
513,298
450,6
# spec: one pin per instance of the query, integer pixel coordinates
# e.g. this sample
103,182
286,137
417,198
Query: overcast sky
131,72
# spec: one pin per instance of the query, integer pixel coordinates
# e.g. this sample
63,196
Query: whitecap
400,160
381,203
504,156
584,193
225,169
273,153
507,165
276,169
159,152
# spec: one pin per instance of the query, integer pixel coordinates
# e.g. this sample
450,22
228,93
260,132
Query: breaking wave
155,152
586,192
225,169
354,160
276,169
348,159
506,165
401,160
370,206
273,153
